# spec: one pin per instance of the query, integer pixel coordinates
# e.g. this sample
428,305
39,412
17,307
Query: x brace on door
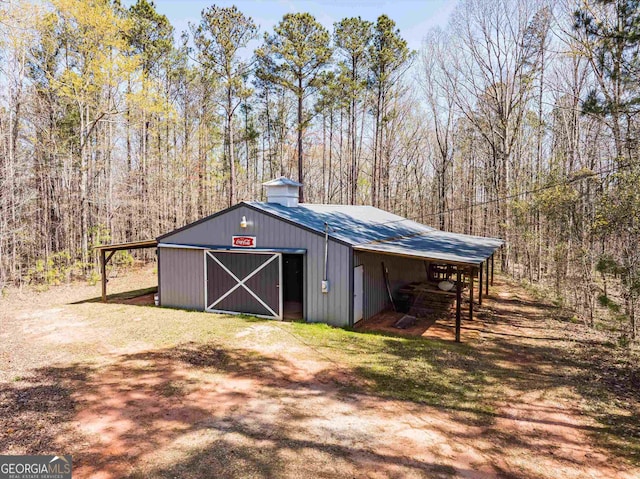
240,283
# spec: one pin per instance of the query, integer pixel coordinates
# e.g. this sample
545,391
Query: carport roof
374,230
438,246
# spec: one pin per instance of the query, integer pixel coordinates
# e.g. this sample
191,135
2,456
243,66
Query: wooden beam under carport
492,269
459,282
480,285
487,276
111,249
458,305
103,272
104,261
472,273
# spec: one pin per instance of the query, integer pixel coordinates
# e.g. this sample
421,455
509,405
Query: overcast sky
413,17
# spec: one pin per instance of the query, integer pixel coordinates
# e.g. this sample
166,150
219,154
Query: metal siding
401,272
270,232
159,274
351,266
181,284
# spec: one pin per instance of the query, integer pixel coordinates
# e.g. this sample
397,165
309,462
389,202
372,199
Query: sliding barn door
246,283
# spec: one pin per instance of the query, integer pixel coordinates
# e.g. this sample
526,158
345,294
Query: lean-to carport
111,250
470,255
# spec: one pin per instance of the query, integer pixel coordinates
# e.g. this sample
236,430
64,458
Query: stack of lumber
426,300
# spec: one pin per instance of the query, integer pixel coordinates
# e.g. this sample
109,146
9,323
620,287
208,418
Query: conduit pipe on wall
325,280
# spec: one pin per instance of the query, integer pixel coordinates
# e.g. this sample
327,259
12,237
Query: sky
413,17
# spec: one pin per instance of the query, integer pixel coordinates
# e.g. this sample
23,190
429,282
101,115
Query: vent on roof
283,191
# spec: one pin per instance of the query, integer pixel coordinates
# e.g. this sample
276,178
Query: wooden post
487,279
472,273
480,286
492,270
103,271
458,300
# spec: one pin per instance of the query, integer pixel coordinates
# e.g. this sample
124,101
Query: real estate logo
35,467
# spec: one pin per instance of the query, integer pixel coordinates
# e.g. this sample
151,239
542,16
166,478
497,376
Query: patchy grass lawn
139,391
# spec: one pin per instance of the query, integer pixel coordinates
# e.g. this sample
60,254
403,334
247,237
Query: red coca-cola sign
243,241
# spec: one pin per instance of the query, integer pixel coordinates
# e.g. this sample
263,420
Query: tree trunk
300,126
376,141
84,178
232,161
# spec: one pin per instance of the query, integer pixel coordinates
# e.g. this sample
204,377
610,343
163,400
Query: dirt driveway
137,391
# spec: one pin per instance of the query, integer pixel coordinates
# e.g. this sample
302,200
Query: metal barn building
333,264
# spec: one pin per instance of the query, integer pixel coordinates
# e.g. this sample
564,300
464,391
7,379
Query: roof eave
424,257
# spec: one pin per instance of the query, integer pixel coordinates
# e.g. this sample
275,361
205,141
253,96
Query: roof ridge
338,205
353,224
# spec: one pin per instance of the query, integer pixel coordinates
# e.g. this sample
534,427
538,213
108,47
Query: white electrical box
325,286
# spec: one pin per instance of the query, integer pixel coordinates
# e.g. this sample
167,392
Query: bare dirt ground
136,391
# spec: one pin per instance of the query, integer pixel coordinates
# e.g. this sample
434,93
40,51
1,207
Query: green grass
433,372
465,380
428,371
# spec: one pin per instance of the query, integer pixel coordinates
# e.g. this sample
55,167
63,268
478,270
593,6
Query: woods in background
517,120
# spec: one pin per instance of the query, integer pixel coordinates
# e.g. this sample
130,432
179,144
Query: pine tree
150,34
150,40
389,55
293,57
91,37
222,32
352,39
610,37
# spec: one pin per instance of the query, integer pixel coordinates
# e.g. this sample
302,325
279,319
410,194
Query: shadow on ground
136,297
527,348
218,403
200,409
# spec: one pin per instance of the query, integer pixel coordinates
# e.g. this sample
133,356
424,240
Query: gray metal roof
371,229
438,245
350,224
281,181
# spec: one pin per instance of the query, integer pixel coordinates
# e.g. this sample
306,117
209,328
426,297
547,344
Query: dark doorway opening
293,279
